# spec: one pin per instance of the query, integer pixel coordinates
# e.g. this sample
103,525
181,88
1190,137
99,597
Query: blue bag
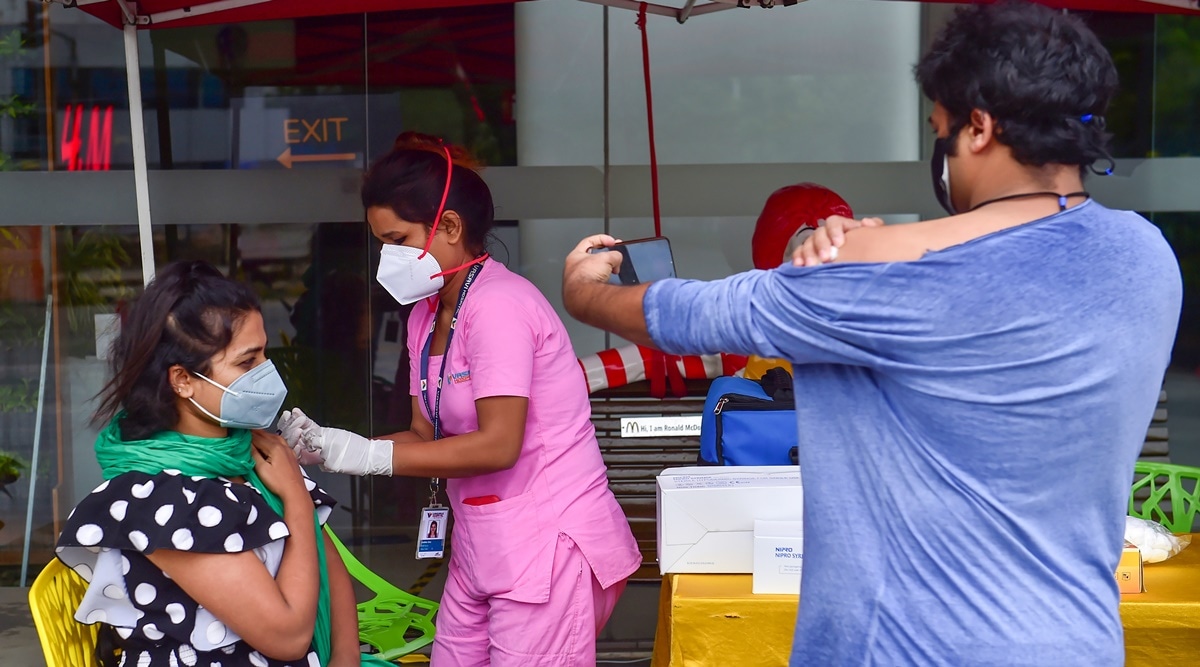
743,425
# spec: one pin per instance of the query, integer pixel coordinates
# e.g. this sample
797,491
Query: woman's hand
275,615
822,245
277,467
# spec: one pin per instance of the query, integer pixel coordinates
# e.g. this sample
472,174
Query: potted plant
11,466
13,106
90,263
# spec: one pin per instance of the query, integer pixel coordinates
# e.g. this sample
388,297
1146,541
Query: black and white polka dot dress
133,514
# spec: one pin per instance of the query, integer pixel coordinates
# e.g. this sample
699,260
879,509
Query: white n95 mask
251,401
409,274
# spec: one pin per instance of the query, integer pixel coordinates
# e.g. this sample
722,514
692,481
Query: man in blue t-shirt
986,378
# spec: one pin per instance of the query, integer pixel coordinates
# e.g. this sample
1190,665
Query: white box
778,557
706,514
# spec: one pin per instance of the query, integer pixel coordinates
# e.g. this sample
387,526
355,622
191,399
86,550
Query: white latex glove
302,435
350,453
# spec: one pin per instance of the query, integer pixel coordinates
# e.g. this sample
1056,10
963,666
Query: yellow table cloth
1162,625
714,620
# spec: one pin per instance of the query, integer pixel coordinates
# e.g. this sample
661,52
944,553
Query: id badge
435,522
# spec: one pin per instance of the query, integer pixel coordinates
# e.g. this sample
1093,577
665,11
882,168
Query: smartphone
642,261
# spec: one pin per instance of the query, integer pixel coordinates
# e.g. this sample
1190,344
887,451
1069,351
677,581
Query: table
1162,625
711,619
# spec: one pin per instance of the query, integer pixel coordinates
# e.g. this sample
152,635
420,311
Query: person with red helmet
790,216
789,211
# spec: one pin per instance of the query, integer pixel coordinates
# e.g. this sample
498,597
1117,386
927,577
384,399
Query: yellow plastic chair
395,622
53,599
1166,493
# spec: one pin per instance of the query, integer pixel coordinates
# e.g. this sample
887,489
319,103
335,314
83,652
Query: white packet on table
1153,539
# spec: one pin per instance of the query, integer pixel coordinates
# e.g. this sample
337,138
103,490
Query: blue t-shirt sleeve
806,315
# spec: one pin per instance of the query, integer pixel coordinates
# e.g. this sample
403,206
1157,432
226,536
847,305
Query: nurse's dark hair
411,178
187,314
1041,74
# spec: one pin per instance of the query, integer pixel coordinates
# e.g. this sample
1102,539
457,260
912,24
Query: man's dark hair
1042,75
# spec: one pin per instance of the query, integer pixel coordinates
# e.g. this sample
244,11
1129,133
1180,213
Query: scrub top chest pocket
457,412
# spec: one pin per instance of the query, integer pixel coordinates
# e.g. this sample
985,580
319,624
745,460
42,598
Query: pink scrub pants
475,630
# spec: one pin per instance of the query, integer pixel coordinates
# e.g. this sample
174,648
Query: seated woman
203,546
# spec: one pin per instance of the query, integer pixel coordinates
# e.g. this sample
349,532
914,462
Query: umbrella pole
137,128
37,443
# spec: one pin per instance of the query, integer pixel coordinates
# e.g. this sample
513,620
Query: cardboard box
706,514
778,557
1129,570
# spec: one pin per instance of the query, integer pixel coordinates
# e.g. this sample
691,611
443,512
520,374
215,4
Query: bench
634,463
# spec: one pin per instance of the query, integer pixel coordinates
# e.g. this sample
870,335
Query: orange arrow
287,159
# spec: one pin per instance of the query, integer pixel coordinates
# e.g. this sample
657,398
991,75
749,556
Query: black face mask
941,173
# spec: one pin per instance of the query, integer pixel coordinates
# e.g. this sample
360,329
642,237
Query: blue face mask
251,401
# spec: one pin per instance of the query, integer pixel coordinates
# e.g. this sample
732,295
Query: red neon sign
98,156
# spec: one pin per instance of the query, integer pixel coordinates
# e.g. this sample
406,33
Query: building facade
257,134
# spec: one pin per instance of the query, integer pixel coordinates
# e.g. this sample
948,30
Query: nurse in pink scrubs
541,550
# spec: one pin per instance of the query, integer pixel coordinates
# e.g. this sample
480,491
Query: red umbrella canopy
183,13
1131,6
423,47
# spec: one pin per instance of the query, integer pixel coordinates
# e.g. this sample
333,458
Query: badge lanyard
432,538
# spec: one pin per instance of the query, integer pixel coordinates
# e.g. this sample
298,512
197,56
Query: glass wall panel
452,74
560,55
265,95
1153,116
734,87
89,100
25,109
297,94
23,341
1176,133
76,279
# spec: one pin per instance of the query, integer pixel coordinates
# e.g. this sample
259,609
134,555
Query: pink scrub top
509,341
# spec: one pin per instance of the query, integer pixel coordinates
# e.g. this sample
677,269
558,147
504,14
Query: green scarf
207,457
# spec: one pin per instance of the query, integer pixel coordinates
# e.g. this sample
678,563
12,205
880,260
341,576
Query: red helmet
787,210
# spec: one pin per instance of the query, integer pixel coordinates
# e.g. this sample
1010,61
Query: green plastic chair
395,622
1166,493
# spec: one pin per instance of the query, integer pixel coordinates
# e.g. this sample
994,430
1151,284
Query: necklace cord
1062,199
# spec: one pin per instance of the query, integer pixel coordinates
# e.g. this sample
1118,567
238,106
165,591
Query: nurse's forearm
494,446
403,437
613,308
464,455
